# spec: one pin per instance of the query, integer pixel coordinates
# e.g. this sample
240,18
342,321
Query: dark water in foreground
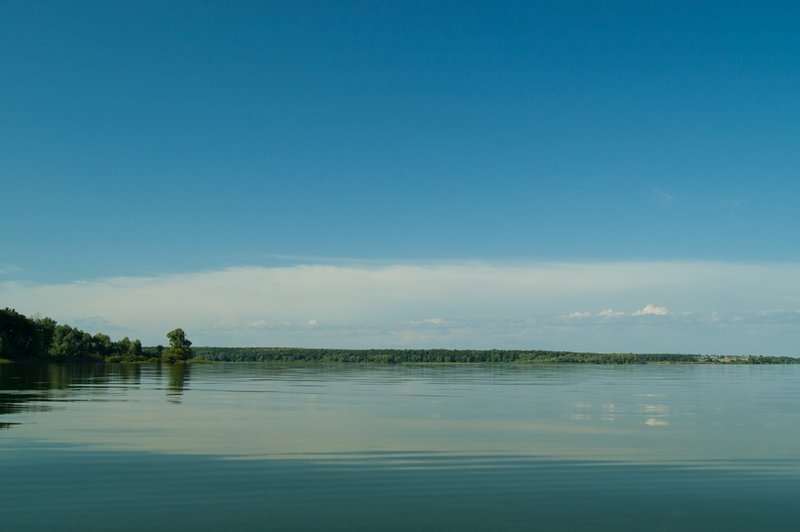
261,447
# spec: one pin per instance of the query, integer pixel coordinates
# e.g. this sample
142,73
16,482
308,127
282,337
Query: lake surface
267,447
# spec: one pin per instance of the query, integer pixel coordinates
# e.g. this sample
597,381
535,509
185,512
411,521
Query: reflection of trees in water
177,379
130,373
28,387
64,376
17,403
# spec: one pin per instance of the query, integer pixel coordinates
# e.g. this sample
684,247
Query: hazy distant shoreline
465,356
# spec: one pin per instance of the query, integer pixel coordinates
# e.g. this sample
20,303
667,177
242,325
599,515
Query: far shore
466,356
297,355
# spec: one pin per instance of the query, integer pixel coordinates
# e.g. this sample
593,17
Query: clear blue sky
153,138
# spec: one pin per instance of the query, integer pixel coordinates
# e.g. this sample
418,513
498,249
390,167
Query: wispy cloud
663,198
547,305
428,322
6,269
647,310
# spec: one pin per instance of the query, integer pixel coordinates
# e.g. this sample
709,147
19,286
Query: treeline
43,339
23,338
461,356
432,356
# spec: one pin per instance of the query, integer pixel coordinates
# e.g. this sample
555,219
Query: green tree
122,347
71,343
180,348
18,335
44,334
135,349
102,345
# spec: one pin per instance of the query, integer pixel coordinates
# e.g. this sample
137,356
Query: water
265,447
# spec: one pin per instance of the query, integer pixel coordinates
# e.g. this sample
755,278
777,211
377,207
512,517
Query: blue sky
147,143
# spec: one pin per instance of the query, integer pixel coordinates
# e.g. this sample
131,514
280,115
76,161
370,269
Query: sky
598,176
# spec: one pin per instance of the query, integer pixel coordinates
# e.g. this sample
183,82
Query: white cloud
578,315
610,313
486,305
428,321
652,310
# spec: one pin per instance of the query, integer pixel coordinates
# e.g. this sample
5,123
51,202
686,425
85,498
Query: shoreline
420,357
466,356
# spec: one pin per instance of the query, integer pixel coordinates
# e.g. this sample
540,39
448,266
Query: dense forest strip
24,339
464,356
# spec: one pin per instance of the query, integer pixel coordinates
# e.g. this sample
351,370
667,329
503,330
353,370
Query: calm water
264,447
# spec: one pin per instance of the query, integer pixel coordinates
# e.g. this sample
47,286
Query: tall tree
180,348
